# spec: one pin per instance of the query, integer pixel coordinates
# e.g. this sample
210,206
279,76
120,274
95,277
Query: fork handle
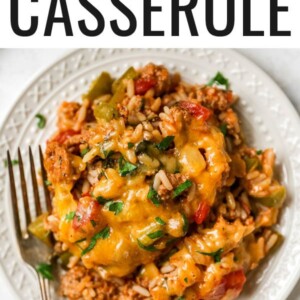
44,287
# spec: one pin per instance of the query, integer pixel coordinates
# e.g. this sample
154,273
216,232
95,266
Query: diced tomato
235,280
142,85
229,97
87,210
201,212
63,136
87,194
230,286
196,110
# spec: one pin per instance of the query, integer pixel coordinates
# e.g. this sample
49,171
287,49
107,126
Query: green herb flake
48,183
165,143
186,280
154,197
103,235
84,152
115,206
181,188
70,216
45,270
223,129
185,226
219,79
130,145
160,221
14,162
101,200
41,121
149,248
259,152
215,255
125,167
156,235
93,222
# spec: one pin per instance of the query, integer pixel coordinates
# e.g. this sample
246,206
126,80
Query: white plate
268,118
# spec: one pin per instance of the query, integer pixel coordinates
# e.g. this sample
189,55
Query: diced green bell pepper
38,229
102,85
275,199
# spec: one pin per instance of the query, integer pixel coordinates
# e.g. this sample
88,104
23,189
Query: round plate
268,117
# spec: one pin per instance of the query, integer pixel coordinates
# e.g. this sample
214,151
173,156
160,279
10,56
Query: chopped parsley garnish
160,221
45,270
154,197
14,162
93,222
181,188
219,79
115,206
223,129
70,216
149,248
101,200
130,145
186,280
215,255
41,121
126,167
259,152
185,226
48,183
165,143
103,235
156,235
84,152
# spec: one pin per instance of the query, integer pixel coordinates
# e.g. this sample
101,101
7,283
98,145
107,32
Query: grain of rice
252,175
118,281
192,193
148,126
166,110
271,242
85,186
147,135
165,180
230,200
137,134
243,214
91,154
156,104
150,93
130,88
81,115
156,181
132,103
73,261
64,247
153,283
130,155
141,117
167,269
141,290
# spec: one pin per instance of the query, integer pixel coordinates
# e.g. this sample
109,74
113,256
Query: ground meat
58,163
67,115
215,98
165,83
230,118
81,283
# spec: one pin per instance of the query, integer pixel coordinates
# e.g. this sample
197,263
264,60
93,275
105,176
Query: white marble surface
18,66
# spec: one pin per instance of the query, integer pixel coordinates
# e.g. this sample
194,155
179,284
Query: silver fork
32,250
